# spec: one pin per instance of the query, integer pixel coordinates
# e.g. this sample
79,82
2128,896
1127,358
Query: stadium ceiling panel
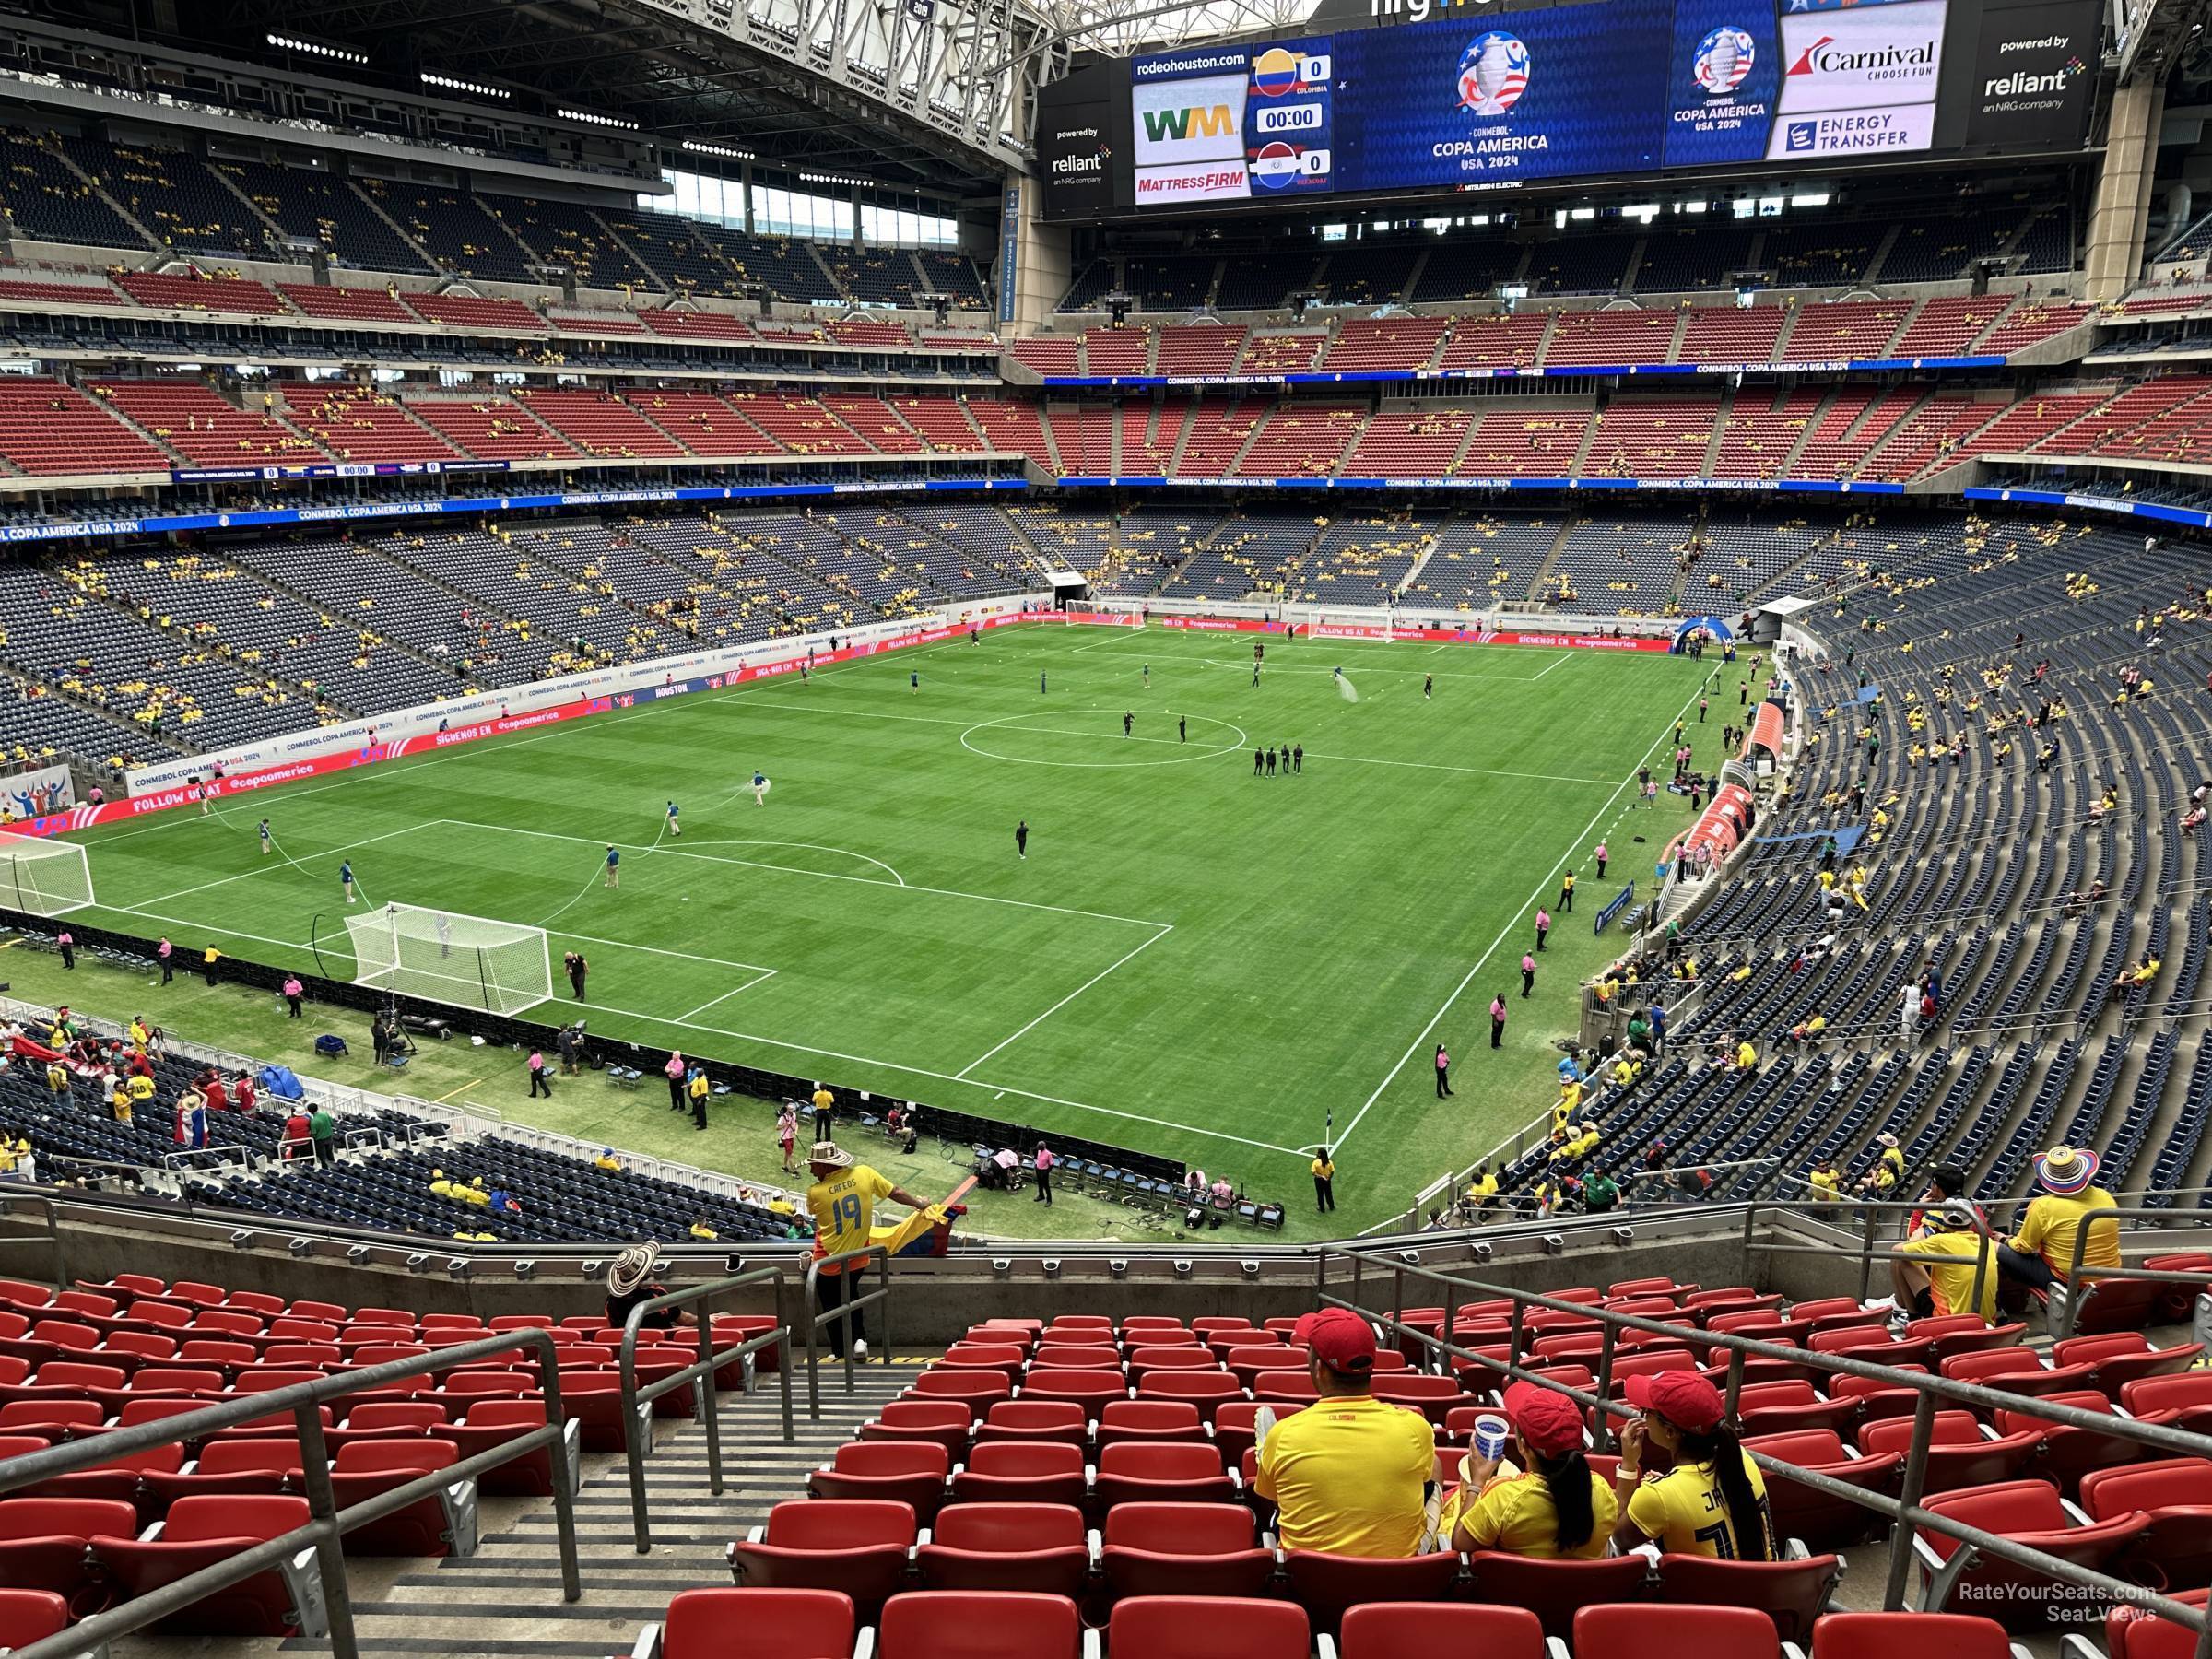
1120,28
885,90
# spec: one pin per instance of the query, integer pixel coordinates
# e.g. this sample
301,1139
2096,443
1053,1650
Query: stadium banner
436,726
1614,906
1441,636
38,793
1416,96
358,512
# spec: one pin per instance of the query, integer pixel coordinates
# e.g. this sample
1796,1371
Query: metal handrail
53,1213
328,1524
701,1371
842,1318
1903,1509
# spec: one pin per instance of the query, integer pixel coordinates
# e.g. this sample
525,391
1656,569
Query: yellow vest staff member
842,1202
1934,1274
1348,1474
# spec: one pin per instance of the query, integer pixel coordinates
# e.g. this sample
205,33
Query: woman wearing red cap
1712,1501
1555,1506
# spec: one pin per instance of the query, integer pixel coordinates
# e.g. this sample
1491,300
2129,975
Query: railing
327,1524
700,1375
52,1213
1904,1509
846,1312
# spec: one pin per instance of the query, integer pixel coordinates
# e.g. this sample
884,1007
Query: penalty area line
1166,928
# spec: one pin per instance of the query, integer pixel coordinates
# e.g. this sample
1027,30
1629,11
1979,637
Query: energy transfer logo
1493,73
1722,60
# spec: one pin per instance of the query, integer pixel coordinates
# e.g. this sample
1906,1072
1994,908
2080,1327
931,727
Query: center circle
1181,755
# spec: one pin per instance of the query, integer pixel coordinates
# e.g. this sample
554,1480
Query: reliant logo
1209,121
1068,166
1824,57
2020,85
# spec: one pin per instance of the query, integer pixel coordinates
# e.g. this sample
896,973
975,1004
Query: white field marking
763,974
1481,771
1183,755
262,867
938,1076
714,840
1565,657
1119,636
819,875
1483,961
1087,985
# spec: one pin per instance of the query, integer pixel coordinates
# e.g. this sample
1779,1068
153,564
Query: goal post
43,876
443,956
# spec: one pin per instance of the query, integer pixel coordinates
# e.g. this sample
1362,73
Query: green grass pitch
1192,959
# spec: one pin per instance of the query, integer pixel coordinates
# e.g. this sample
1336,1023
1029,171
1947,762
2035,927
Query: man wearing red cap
1712,1502
1350,1474
1556,1505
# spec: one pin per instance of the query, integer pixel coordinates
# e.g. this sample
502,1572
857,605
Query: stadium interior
388,376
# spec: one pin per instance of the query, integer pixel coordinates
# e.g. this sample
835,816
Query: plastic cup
1492,1434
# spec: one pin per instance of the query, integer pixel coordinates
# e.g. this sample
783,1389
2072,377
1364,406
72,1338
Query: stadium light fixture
306,48
593,118
699,147
450,83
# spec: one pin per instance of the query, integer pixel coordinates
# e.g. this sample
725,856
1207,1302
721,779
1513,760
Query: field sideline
1192,959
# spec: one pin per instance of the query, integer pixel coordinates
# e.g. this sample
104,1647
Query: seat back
878,1457
273,1454
1626,1631
1418,1630
405,1457
840,1524
979,1624
798,1624
1328,1586
1554,1591
1009,1528
64,1518
1186,1529
2167,1483
1909,1636
1185,1626
246,1520
1790,1594
1025,1459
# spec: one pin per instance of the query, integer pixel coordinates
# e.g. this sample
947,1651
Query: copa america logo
1724,58
1493,73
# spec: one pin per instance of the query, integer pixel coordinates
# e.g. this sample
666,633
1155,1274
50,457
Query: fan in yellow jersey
1712,1502
1555,1505
843,1201
1350,1474
1933,1274
2041,1254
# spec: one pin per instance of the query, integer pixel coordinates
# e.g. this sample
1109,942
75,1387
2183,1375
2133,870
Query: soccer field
1192,961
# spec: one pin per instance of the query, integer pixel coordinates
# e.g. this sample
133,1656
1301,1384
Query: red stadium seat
2068,1454
1006,1360
1682,1632
229,1468
491,1423
45,1544
2176,1494
2131,1633
720,1624
1022,1472
1176,1627
1791,1593
1176,1472
1329,1586
1184,1549
1876,1399
1232,1426
2185,1402
1136,1422
978,1624
856,1546
2123,1356
1820,1521
201,1531
1424,1631
1204,1390
1089,1390
913,1476
2017,1370
1031,1421
1433,1397
1787,1407
1958,1456
1912,1636
1554,1591
442,1523
1062,1355
1035,1546
2030,1512
931,1422
28,1615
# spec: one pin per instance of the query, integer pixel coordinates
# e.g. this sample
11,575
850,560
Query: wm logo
1213,121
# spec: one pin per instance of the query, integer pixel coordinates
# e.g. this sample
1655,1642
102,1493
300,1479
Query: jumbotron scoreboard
1607,88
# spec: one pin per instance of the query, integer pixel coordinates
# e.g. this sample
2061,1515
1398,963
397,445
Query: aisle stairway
506,1598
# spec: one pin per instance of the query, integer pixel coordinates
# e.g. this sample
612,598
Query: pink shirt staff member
675,1070
1044,1163
1443,1072
1528,974
1601,856
1543,926
1498,1020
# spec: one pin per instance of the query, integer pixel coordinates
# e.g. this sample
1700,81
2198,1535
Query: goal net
441,956
44,877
